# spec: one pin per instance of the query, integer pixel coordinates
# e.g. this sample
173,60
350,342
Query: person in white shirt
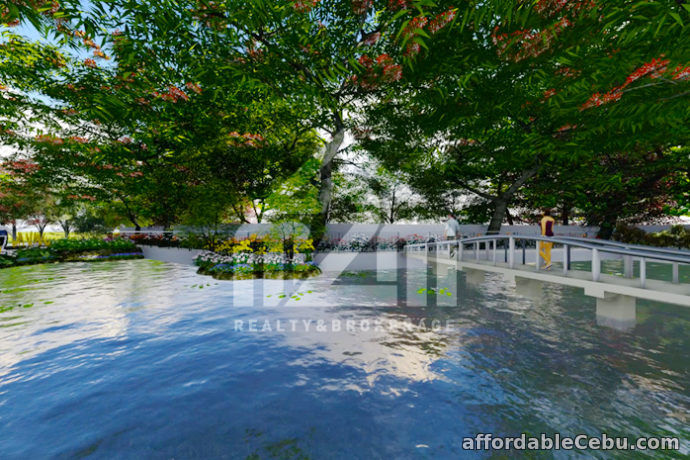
451,230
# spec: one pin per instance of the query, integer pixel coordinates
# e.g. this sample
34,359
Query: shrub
6,261
629,234
32,255
74,250
164,240
66,246
271,243
677,236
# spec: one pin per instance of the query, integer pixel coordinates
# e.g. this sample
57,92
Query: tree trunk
14,230
239,212
502,201
565,214
392,217
65,227
326,181
131,216
500,210
259,215
509,217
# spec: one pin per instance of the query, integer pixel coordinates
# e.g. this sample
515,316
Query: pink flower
681,73
193,87
441,20
398,4
412,49
412,26
304,6
48,139
549,93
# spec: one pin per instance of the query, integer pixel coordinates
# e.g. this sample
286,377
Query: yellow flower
275,246
242,246
225,246
304,245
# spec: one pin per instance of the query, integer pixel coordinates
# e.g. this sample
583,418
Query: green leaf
676,16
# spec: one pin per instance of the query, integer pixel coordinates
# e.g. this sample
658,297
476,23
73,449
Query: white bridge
517,258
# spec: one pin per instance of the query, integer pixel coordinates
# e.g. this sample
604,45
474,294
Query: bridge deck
607,285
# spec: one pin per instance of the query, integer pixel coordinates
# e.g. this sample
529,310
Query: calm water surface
140,359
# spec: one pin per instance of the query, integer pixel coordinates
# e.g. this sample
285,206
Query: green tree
371,193
630,188
327,55
506,95
148,133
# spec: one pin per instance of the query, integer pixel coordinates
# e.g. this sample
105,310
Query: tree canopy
208,111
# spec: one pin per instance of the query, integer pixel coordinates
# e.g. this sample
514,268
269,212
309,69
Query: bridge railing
595,248
608,243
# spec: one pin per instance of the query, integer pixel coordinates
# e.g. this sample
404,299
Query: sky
28,31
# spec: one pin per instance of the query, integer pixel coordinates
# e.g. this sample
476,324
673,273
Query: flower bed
255,265
243,258
167,240
360,242
86,250
355,243
223,244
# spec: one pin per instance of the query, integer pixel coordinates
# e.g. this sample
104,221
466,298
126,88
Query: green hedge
91,244
64,250
675,237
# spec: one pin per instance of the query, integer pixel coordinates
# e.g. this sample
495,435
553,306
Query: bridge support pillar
475,277
616,311
532,289
440,269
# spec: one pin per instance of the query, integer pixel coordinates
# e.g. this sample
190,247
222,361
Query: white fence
346,231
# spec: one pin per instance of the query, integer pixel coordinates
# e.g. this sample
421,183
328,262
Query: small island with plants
72,250
267,256
249,265
284,252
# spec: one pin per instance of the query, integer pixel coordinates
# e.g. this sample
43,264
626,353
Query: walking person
547,223
451,231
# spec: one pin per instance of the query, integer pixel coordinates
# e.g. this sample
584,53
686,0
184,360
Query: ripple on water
143,359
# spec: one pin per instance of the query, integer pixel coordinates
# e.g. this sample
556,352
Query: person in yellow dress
547,223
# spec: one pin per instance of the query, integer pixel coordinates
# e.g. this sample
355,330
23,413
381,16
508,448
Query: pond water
141,359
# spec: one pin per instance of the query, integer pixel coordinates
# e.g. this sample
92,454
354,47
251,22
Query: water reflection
147,360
